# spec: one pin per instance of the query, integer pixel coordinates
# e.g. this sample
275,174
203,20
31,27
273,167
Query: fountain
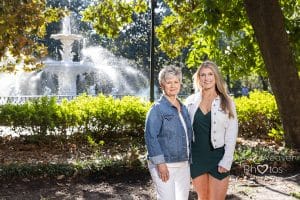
67,39
99,71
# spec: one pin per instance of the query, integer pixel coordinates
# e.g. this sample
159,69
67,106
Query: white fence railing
22,99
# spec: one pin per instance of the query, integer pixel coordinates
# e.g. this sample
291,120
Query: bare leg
200,184
217,188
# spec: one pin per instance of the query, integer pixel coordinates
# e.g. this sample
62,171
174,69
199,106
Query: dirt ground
129,186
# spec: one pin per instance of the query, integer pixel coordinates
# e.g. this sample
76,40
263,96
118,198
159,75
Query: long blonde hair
221,86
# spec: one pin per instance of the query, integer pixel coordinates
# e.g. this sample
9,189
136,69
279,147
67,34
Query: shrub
96,116
104,116
43,115
258,115
35,116
133,113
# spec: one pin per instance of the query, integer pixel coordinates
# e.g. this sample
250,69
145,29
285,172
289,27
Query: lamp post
152,61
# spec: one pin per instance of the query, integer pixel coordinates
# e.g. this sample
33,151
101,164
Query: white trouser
178,185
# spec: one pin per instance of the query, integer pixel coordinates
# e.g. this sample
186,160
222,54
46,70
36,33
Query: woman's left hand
222,170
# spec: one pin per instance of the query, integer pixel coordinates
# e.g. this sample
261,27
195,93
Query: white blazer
224,130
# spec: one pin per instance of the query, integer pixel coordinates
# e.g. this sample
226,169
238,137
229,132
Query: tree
22,27
268,23
221,31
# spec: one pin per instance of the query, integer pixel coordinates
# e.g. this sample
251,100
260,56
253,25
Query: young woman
215,126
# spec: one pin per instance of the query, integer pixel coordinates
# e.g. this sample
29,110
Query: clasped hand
163,172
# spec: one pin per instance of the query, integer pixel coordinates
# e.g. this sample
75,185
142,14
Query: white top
186,134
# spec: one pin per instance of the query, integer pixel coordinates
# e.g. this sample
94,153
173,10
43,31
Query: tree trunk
267,21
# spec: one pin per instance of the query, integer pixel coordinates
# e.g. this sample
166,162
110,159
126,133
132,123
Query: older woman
215,128
168,135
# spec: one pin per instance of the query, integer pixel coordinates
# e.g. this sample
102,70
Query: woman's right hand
163,172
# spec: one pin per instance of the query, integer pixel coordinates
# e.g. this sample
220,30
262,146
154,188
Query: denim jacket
165,135
224,130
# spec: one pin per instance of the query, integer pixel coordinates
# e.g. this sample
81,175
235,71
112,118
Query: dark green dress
205,158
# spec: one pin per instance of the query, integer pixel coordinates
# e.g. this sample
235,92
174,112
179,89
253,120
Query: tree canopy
105,12
218,30
22,27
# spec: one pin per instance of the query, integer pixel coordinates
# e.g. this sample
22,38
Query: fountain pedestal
67,41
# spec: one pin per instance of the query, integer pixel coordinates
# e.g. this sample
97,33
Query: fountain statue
99,71
67,39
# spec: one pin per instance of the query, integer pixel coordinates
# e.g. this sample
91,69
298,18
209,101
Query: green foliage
43,112
92,143
28,170
169,32
133,116
109,17
259,154
291,11
92,168
22,24
277,134
258,115
67,115
130,158
96,116
114,156
218,30
104,116
296,195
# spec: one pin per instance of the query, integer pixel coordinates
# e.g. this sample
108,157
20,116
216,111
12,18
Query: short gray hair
169,70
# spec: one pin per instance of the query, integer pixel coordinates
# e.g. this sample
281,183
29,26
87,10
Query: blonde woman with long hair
215,127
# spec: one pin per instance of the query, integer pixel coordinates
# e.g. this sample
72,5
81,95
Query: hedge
258,115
